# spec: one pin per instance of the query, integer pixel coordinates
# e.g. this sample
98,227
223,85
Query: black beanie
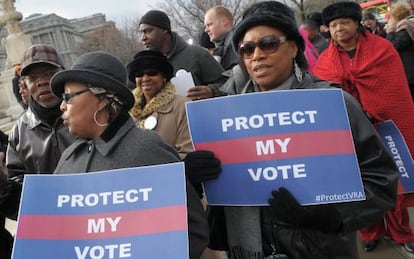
342,10
315,17
270,13
156,18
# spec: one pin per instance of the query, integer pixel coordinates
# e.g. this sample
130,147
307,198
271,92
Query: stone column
15,44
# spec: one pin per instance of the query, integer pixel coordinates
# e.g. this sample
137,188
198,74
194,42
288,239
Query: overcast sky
115,10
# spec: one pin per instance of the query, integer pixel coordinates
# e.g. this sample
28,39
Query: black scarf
46,115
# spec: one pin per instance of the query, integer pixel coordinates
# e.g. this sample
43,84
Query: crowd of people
85,119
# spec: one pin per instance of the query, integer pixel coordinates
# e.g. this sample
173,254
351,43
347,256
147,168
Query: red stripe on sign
125,223
281,146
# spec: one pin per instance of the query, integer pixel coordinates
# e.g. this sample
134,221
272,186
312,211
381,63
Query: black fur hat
149,59
342,10
270,13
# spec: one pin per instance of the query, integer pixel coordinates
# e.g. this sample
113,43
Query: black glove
17,179
201,166
8,184
10,196
286,209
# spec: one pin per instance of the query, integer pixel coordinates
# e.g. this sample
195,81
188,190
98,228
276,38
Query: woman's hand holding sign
286,209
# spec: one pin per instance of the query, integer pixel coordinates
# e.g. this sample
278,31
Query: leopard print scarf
162,98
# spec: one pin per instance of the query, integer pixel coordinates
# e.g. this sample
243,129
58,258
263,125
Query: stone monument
15,44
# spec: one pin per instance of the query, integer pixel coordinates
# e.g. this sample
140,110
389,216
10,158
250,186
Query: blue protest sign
123,213
298,139
397,147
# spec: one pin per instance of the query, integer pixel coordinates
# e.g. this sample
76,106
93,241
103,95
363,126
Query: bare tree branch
187,16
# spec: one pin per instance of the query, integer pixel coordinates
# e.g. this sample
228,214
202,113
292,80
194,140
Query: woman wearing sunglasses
271,51
157,107
95,108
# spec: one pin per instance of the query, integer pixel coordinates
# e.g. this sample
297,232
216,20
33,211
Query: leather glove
10,196
201,165
285,208
8,184
17,179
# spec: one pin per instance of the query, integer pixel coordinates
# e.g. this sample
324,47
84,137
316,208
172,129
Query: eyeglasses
67,97
268,44
34,77
146,72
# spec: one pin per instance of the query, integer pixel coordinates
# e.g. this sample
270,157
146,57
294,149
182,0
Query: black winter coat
379,176
405,47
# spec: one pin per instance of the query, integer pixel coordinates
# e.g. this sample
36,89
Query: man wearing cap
369,68
39,137
156,34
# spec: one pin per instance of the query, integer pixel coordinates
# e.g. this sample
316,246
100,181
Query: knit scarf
408,25
376,77
244,235
142,109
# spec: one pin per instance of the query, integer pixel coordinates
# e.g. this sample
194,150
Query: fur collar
142,110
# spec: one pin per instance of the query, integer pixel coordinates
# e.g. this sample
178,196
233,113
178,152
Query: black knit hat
270,13
149,59
315,17
342,10
156,18
98,69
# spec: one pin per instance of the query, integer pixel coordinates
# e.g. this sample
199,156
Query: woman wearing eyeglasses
271,51
157,107
95,108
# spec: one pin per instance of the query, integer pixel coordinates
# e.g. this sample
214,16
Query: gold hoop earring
97,122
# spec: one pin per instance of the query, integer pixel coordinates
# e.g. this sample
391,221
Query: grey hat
270,13
98,69
37,54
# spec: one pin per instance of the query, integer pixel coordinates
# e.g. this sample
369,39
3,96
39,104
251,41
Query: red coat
375,77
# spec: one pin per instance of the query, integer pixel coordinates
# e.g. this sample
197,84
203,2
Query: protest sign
124,213
298,139
397,147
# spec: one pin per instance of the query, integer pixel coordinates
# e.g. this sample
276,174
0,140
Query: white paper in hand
182,81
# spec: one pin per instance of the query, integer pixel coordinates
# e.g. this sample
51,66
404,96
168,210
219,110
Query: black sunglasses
149,72
67,97
268,44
